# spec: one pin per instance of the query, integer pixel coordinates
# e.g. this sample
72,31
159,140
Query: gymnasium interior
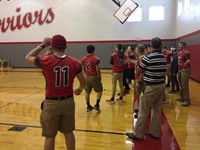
23,26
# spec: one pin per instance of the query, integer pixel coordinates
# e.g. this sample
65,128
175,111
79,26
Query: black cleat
171,92
165,101
96,107
89,108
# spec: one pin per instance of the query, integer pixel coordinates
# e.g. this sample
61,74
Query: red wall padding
195,60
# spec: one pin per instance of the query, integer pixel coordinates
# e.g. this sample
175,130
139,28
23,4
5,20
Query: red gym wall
195,61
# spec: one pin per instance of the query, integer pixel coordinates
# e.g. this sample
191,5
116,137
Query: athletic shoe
121,101
135,115
165,101
132,136
126,92
168,85
111,101
185,103
89,108
171,92
96,107
149,134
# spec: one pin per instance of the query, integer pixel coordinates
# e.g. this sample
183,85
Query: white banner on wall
77,20
32,20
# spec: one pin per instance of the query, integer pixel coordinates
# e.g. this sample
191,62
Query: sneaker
96,107
121,101
135,115
111,101
132,136
180,99
165,101
171,92
185,103
126,92
89,108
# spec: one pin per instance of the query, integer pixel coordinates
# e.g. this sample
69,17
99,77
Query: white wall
148,29
86,20
189,20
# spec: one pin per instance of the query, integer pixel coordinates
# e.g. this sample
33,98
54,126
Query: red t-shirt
89,63
183,56
59,74
167,56
131,56
117,61
137,75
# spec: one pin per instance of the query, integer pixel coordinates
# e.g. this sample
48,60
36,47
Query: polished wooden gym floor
22,90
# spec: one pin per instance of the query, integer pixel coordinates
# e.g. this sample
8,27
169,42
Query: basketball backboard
125,10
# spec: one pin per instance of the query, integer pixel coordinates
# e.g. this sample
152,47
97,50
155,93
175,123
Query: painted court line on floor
81,130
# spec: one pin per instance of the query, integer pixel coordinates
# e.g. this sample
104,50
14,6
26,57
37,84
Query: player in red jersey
184,72
139,83
130,66
93,77
167,55
117,61
59,70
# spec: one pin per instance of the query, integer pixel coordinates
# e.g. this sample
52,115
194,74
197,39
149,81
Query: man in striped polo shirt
153,66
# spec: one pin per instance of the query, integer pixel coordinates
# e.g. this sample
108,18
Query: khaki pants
183,78
150,101
117,77
138,89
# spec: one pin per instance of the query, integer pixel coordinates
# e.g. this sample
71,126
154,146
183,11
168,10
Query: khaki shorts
168,70
57,115
93,82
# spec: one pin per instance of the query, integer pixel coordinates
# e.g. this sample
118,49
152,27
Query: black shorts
130,73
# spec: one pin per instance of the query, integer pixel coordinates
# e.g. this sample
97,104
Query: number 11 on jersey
61,72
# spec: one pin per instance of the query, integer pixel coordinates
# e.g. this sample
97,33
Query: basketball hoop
125,10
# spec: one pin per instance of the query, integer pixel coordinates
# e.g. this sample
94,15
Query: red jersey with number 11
59,74
89,63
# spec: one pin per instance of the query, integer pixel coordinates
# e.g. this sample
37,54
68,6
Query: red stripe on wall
195,61
100,41
113,41
189,35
